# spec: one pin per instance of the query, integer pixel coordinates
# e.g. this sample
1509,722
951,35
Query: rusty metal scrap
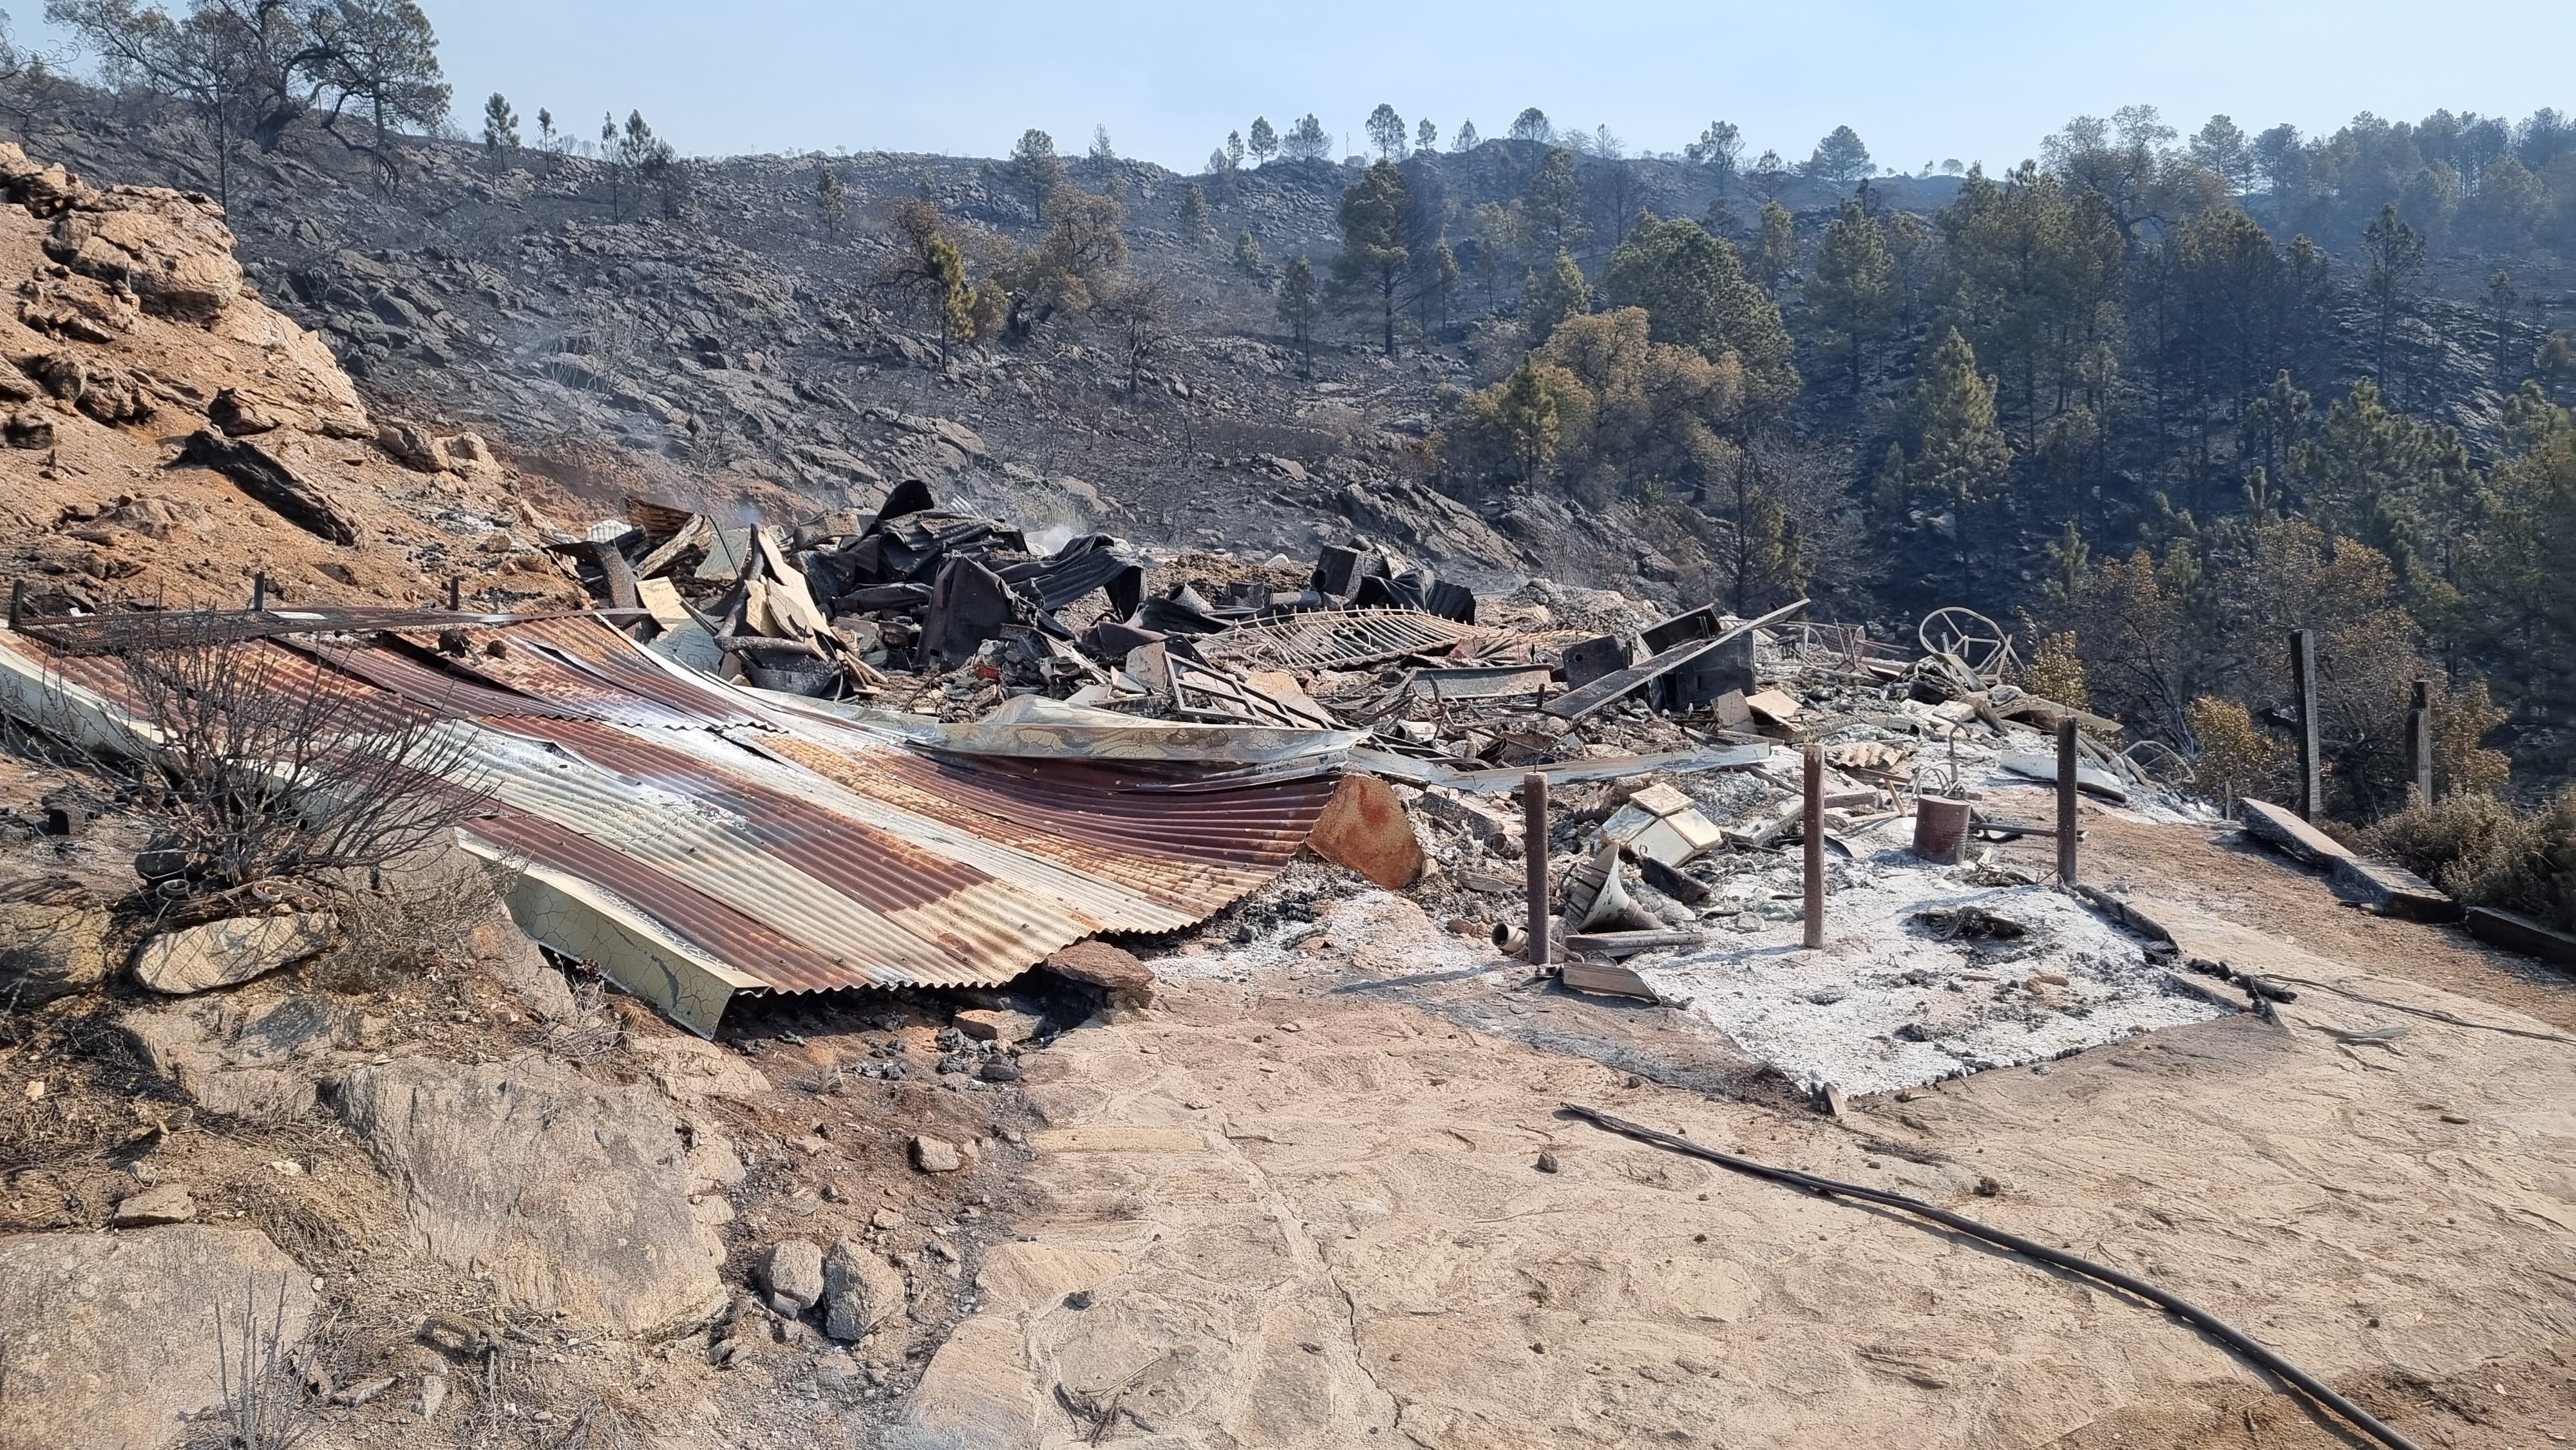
1338,639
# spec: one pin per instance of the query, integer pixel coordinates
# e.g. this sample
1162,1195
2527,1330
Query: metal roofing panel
1338,639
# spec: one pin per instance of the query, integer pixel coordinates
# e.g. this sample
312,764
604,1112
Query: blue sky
1919,82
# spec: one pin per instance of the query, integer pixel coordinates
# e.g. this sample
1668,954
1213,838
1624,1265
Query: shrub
2484,852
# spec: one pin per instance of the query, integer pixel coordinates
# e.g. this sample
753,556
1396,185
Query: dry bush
2056,672
2486,853
2236,759
265,765
263,1395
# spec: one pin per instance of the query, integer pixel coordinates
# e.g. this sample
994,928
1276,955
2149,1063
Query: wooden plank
2516,932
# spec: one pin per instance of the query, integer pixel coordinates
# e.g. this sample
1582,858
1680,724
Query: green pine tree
1853,287
1550,297
1369,272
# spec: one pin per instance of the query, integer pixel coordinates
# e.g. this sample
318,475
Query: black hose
2182,1309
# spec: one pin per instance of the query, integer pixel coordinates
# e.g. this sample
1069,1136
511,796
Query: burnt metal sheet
586,667
1337,639
1487,682
1575,704
105,633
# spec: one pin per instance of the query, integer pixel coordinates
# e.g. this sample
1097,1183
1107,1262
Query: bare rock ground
1273,1213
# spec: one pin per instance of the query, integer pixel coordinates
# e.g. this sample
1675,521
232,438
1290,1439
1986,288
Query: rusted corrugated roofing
798,853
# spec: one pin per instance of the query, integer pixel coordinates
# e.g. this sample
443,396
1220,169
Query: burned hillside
1519,795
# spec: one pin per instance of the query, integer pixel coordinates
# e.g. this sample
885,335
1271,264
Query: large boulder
170,248
53,940
244,1060
110,1338
573,1196
229,952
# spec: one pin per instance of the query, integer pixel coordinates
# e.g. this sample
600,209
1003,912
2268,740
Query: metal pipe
1534,853
2180,1308
2066,774
1815,846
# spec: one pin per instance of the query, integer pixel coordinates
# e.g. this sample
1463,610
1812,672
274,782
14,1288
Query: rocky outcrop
256,1062
111,1337
573,1197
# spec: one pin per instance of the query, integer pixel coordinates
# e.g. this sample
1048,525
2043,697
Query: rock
499,947
53,940
2391,890
28,428
240,417
408,445
792,1272
150,1207
433,1393
936,1155
242,1060
861,1292
111,1336
226,953
1129,982
1007,1028
268,478
363,1391
692,1069
999,1069
573,1197
2285,832
171,248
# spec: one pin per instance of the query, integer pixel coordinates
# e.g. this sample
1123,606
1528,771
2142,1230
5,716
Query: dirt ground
1320,1206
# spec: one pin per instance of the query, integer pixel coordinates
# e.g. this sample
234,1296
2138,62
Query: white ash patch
1849,1014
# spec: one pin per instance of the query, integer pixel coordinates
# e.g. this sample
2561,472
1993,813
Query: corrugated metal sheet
799,853
1337,639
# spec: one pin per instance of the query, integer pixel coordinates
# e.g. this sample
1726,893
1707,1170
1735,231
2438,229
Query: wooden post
2419,743
1815,846
2303,684
17,601
455,594
258,592
2066,768
1534,853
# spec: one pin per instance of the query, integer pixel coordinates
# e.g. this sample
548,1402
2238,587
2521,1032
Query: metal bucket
1940,829
791,675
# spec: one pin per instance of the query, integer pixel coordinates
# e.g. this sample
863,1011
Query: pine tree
1527,418
1466,140
1103,155
1960,453
1369,272
1550,297
500,128
1432,279
831,201
1263,142
1233,151
1035,168
1426,136
1300,308
1306,141
1552,207
1194,211
1852,288
1840,159
545,129
1247,252
1775,247
1696,295
2396,253
1386,132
